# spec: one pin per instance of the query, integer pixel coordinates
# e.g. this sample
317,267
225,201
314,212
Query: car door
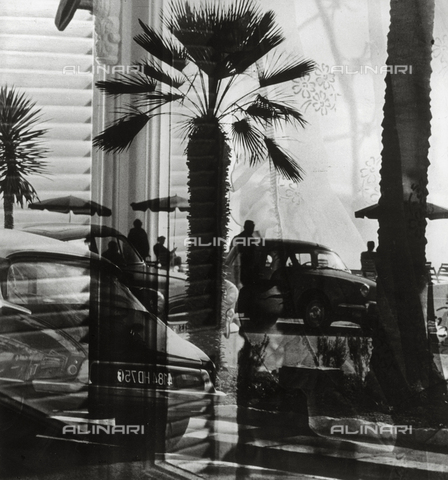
43,357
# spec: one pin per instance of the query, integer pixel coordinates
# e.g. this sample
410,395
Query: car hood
179,350
351,277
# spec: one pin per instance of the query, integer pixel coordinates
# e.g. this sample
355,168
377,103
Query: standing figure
368,259
246,249
138,237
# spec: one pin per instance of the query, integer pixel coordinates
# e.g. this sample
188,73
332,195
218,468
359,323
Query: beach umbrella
164,204
433,212
71,204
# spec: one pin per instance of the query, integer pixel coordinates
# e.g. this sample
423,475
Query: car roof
274,242
288,243
16,241
71,231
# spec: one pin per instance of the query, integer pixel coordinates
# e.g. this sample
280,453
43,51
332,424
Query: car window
58,282
34,283
303,259
326,259
129,254
268,262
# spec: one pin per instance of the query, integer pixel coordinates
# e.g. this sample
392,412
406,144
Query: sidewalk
359,430
224,448
285,443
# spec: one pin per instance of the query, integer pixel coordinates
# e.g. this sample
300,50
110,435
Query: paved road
229,443
284,445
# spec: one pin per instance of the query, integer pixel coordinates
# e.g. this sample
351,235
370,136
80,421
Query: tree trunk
208,163
8,206
402,360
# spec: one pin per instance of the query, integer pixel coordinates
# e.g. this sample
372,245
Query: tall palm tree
217,63
21,151
401,352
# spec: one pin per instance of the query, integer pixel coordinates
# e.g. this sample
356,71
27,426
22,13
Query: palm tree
20,150
402,358
217,63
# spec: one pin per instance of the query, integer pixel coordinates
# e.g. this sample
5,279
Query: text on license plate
144,377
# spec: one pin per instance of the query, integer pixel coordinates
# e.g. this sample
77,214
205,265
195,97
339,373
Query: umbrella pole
167,283
174,228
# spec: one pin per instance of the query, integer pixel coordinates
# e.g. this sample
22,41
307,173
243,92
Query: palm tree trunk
208,163
8,206
402,361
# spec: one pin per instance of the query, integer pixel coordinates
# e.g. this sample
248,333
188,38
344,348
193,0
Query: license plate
144,378
133,376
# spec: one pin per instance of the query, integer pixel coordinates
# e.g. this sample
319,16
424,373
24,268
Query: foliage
217,64
20,149
331,353
360,352
198,62
250,361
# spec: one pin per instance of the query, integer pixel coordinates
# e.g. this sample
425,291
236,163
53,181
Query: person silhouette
368,261
248,232
246,249
139,239
163,255
113,254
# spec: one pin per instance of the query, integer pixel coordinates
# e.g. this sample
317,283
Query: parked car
147,281
298,280
77,347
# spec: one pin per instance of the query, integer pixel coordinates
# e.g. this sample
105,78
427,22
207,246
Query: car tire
317,312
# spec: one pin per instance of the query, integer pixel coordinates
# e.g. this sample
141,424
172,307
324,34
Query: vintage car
77,348
297,280
147,281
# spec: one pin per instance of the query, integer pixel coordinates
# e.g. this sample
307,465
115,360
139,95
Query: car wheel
317,312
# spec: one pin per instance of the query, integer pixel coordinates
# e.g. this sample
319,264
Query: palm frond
267,111
119,136
294,68
20,140
264,37
21,168
127,84
19,187
249,139
282,161
149,103
161,48
161,98
224,40
155,72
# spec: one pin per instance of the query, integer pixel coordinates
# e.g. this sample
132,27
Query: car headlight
51,366
364,289
189,381
83,373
